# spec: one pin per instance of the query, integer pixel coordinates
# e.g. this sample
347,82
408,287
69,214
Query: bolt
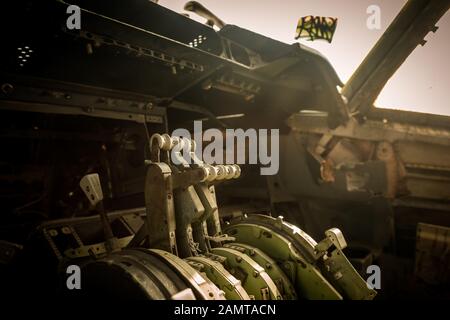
89,49
7,88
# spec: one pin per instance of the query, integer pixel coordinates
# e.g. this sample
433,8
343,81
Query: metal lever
90,184
212,19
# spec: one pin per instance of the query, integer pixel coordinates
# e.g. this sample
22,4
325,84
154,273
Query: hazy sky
422,82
